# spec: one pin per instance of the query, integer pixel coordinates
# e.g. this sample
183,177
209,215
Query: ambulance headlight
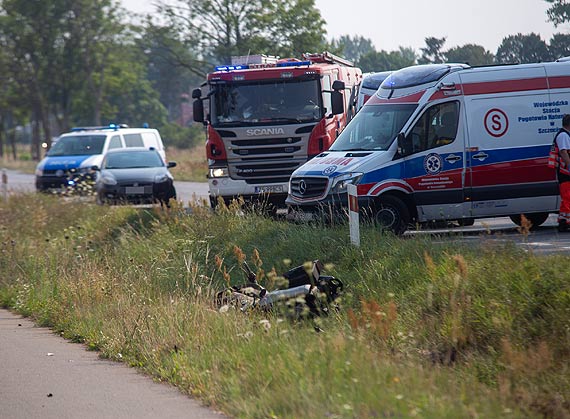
339,183
218,172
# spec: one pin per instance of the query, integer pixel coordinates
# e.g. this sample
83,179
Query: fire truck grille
262,172
266,151
265,141
308,187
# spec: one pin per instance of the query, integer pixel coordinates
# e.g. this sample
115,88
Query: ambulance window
436,127
326,94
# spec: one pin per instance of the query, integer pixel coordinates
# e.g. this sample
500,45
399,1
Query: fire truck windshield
263,103
374,128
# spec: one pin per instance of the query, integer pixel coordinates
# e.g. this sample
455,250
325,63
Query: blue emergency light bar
230,67
293,63
98,128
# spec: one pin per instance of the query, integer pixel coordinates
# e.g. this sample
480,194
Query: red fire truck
267,116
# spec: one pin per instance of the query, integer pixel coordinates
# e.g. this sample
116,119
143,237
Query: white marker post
4,184
353,218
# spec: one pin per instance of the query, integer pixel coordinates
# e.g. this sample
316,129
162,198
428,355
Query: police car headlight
39,172
339,184
108,180
218,172
161,178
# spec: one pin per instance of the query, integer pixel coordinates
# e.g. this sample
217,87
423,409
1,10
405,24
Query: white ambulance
446,142
370,83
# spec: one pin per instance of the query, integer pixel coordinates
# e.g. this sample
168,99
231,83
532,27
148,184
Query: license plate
134,190
269,189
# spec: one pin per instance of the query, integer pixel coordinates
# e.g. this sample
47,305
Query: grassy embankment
192,165
427,330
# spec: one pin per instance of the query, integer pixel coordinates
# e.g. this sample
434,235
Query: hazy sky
390,24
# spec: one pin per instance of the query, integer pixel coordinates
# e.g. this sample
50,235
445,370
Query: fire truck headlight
339,184
218,172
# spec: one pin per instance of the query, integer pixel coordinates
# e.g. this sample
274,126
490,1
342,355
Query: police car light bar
110,126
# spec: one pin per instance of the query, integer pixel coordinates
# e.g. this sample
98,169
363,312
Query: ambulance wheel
466,222
536,219
392,215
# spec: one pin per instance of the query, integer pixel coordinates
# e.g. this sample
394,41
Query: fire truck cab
267,116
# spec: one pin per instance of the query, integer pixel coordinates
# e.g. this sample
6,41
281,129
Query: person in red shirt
562,145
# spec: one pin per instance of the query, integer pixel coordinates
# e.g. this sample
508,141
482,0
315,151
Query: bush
173,135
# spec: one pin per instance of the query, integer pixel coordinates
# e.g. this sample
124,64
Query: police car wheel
392,215
536,219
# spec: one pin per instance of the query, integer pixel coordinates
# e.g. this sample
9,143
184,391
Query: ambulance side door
508,141
434,161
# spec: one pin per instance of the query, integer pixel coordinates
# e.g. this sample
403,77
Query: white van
370,83
447,142
75,153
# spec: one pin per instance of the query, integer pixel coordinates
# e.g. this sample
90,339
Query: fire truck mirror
196,93
337,102
338,85
198,108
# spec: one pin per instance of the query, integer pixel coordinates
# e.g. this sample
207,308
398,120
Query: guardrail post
353,218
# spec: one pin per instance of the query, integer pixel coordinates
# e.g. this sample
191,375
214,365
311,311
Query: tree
559,12
383,61
171,67
57,49
559,46
470,54
353,48
432,53
222,28
522,49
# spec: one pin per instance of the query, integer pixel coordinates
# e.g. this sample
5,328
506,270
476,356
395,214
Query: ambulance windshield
374,128
261,102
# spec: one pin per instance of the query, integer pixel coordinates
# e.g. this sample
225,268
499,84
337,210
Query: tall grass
424,329
192,164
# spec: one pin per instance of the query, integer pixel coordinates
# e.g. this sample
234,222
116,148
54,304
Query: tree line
89,62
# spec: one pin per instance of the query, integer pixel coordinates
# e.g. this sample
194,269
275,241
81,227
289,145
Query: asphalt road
19,182
44,376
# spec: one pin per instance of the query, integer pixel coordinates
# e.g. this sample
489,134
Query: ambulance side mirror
402,145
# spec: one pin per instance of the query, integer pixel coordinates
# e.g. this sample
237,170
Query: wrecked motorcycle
308,292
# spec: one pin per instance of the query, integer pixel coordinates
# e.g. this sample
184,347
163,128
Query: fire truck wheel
536,219
392,214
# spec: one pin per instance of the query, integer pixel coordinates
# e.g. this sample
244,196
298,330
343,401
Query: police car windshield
78,145
374,128
262,103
